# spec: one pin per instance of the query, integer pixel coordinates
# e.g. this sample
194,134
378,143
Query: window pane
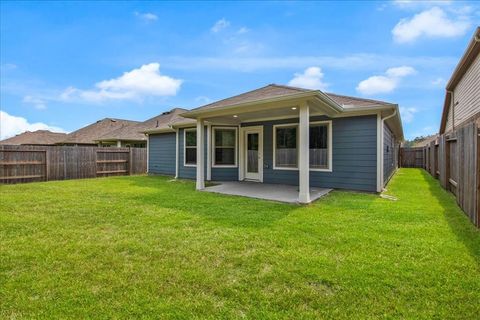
286,147
225,156
190,138
225,138
252,141
191,155
319,146
286,138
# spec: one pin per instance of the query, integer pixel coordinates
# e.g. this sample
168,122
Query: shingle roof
346,101
164,120
92,132
425,141
275,91
39,137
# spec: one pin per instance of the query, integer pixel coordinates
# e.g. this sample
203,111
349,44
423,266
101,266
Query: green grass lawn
155,248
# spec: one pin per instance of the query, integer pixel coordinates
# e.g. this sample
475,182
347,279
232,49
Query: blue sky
67,64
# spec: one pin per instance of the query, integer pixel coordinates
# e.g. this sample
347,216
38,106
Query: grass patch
149,247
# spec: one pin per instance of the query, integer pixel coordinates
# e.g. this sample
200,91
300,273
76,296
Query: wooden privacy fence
411,157
19,164
454,159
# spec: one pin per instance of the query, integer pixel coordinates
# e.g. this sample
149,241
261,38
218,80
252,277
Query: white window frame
214,165
275,167
329,144
185,164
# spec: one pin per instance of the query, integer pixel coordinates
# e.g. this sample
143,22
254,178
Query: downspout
148,150
177,132
452,106
381,143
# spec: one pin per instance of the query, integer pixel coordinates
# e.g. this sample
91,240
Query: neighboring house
425,141
92,134
282,135
462,99
39,137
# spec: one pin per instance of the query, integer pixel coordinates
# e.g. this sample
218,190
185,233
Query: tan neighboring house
425,142
135,136
101,134
32,138
462,99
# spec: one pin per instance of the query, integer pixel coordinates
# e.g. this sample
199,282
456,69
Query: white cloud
407,114
220,25
351,62
398,72
384,83
8,66
135,84
377,84
38,103
12,125
243,30
147,16
439,82
311,78
414,4
431,23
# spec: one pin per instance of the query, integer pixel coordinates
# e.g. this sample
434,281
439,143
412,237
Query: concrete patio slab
275,192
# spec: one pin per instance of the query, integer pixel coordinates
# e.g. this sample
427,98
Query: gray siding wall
389,154
354,155
161,153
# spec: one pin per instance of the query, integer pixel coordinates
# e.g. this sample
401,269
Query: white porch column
304,154
200,155
119,144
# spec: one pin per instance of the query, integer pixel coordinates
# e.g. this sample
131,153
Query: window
286,146
224,147
320,145
190,154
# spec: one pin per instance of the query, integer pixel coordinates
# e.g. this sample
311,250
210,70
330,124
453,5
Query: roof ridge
289,87
237,95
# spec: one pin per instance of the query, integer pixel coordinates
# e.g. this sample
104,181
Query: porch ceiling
266,110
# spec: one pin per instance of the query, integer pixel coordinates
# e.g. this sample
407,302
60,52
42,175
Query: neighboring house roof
425,141
39,137
276,91
164,121
466,61
91,133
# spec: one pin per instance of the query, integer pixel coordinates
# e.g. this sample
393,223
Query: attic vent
156,124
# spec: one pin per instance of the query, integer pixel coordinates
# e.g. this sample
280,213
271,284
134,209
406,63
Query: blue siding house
281,135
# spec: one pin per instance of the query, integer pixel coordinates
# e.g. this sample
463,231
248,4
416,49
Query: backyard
152,247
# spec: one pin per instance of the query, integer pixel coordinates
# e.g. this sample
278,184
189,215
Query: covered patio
274,192
301,105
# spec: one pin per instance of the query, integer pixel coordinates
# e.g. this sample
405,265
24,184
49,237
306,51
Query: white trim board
242,148
235,165
185,146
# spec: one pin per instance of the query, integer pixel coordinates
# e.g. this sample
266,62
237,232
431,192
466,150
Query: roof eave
233,107
162,130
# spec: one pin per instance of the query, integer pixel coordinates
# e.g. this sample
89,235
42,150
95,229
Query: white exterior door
253,153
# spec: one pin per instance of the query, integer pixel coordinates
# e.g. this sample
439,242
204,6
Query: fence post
64,164
46,165
130,157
